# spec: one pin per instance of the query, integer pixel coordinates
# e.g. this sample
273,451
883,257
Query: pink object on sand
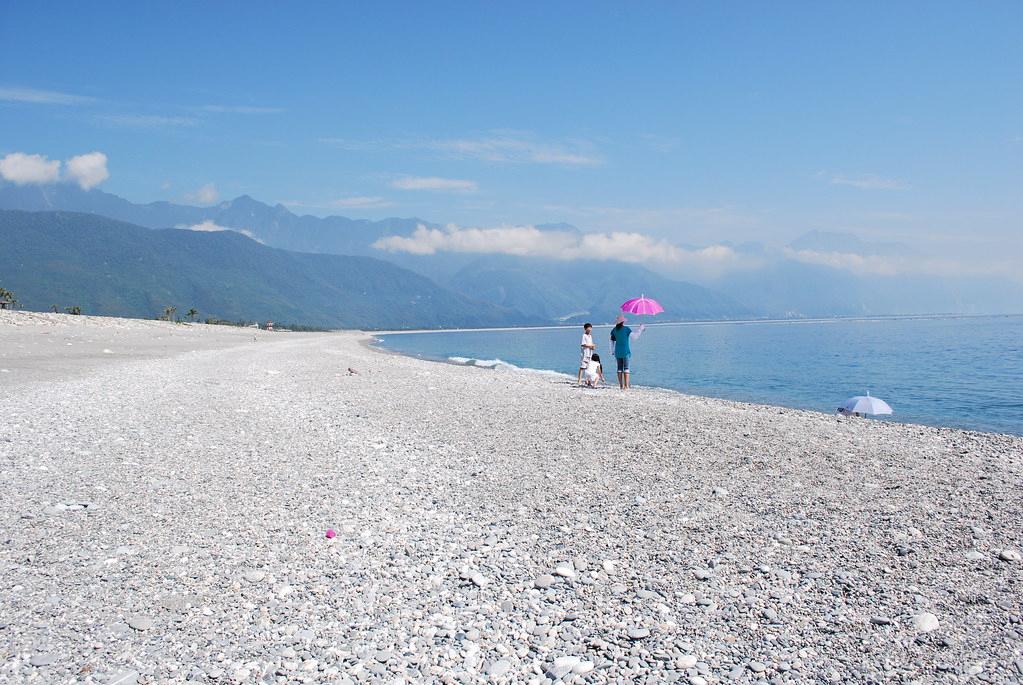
331,533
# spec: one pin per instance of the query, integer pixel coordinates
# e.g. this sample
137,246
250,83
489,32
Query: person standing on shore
622,350
587,347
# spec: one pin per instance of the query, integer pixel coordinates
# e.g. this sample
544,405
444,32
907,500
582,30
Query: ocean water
965,372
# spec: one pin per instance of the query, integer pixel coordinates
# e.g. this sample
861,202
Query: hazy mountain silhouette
113,268
572,291
785,284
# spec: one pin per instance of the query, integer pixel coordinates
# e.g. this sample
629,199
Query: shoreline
372,342
708,322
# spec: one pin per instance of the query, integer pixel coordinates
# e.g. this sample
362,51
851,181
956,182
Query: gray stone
925,622
499,668
543,582
638,633
757,666
1010,555
583,667
562,666
565,571
43,659
141,622
255,576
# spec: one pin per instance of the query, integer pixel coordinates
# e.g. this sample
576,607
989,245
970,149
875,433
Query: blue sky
695,123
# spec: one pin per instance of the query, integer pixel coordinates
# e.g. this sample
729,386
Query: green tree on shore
191,314
8,296
168,313
73,309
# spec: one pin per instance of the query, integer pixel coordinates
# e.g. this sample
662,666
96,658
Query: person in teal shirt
622,350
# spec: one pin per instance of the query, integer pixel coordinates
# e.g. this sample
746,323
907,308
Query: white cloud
146,120
206,195
363,145
209,226
241,109
353,202
868,182
529,241
498,146
886,265
42,97
847,261
360,202
88,170
507,148
22,169
705,225
435,183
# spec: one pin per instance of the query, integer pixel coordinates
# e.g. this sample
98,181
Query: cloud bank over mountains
819,274
209,226
531,241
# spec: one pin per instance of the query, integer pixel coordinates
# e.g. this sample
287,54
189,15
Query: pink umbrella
642,305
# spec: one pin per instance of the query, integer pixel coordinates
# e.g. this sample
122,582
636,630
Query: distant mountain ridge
113,268
276,225
828,241
574,291
548,289
801,279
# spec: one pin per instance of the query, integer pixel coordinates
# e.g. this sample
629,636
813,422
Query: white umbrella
865,404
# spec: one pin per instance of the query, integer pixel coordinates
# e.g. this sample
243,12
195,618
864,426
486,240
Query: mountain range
113,268
785,282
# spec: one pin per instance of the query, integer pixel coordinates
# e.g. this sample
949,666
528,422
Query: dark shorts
623,364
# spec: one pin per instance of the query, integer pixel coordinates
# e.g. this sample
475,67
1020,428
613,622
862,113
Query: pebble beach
168,488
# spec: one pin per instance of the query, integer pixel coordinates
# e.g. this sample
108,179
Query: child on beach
587,347
594,372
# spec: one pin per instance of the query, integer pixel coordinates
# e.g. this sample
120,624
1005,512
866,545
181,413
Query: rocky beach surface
167,491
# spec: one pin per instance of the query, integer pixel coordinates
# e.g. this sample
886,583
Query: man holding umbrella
622,350
621,334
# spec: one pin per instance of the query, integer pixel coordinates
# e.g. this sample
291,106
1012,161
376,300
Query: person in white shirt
594,372
587,348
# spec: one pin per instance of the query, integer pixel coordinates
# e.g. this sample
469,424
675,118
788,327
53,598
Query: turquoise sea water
965,372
